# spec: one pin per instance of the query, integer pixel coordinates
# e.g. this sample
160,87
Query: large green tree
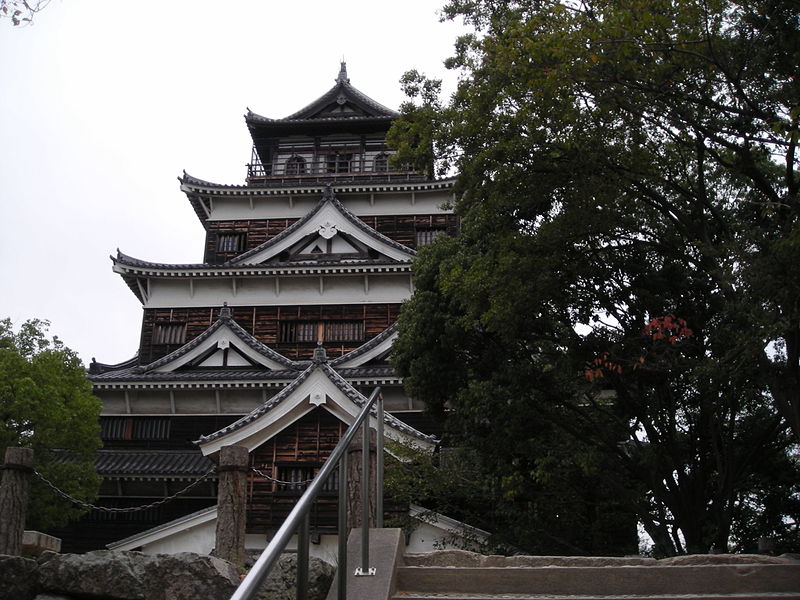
46,404
627,265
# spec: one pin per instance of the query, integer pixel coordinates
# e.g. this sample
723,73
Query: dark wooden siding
404,228
401,228
304,445
255,233
263,322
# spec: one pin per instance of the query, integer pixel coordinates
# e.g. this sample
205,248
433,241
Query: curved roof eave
348,390
194,185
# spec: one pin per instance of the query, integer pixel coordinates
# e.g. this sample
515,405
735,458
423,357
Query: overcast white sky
104,103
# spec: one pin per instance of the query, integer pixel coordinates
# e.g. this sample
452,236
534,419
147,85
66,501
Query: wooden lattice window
325,331
169,333
230,242
338,163
426,236
295,478
296,165
344,331
381,163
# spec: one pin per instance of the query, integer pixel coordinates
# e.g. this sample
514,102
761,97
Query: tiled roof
359,399
348,390
232,374
96,368
129,261
132,463
343,91
215,374
312,184
255,414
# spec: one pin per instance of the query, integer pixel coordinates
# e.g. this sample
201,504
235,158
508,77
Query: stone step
425,596
577,582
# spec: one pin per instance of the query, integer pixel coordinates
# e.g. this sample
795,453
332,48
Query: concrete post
354,466
14,488
234,462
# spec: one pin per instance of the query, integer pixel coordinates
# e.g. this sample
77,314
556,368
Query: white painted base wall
200,538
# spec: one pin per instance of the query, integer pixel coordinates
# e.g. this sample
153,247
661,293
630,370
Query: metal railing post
302,557
342,568
379,466
364,569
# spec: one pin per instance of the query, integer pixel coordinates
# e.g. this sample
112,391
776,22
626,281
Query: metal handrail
298,517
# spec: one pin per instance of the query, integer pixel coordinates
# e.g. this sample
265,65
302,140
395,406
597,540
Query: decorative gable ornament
328,230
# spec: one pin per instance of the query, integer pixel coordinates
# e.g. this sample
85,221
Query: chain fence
280,481
132,509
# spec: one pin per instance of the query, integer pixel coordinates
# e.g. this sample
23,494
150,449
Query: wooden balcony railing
324,171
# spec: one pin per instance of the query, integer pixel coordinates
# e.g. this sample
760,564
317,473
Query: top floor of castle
340,136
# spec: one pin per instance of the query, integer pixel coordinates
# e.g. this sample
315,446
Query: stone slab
385,554
35,543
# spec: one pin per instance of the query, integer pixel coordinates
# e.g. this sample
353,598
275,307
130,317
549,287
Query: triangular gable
342,100
324,244
223,345
318,386
332,229
374,351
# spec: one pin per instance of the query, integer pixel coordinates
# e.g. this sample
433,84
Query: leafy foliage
628,190
560,505
21,12
46,404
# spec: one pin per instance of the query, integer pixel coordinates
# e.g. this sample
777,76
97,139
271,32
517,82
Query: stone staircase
459,575
456,575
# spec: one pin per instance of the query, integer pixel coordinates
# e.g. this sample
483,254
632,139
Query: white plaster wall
295,206
262,291
199,539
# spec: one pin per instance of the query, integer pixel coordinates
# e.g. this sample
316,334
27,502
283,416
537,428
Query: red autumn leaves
667,329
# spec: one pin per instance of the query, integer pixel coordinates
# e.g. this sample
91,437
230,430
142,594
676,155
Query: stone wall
107,575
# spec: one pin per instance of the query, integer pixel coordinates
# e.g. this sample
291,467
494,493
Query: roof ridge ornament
319,355
343,78
328,194
225,311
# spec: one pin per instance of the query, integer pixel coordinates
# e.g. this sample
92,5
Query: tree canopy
46,404
21,12
627,264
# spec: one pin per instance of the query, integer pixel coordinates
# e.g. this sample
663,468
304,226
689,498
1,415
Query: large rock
136,576
17,578
281,584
